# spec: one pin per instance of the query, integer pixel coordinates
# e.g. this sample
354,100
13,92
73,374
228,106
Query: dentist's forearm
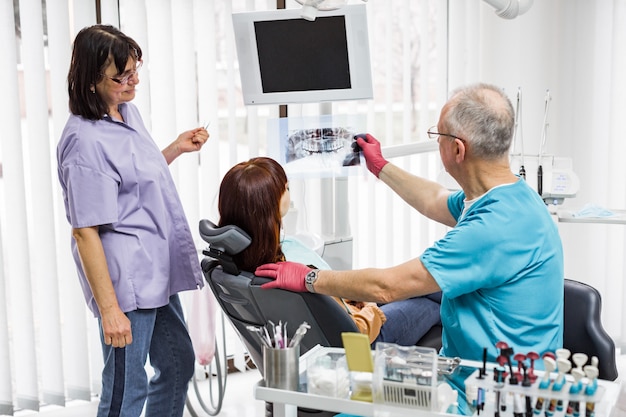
406,280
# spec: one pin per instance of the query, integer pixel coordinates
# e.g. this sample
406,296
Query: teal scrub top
501,273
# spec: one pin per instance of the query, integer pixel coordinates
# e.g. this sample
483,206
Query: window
190,76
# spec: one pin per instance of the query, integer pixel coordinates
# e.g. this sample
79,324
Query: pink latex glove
286,275
371,150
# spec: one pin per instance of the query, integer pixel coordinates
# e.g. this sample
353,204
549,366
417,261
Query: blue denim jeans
409,320
160,334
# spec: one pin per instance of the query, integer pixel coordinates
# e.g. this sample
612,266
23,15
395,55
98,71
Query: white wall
574,48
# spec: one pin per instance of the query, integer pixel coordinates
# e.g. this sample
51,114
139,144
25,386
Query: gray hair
482,115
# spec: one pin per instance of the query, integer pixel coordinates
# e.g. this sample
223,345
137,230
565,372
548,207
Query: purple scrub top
114,176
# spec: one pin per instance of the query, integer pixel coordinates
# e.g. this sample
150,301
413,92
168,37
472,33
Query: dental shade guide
591,372
580,360
573,407
562,354
563,365
549,365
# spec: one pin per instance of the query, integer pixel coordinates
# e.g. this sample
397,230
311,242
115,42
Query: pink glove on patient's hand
286,275
373,155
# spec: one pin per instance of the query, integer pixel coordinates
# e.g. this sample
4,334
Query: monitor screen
325,66
284,58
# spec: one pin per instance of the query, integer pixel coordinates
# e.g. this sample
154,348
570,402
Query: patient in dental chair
254,196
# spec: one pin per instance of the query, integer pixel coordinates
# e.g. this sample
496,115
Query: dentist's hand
371,150
286,275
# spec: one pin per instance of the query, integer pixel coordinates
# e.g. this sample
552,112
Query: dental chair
245,303
582,328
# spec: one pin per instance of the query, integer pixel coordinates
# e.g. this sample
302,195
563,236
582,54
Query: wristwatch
310,279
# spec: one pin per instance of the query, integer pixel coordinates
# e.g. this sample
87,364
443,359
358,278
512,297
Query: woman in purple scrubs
130,239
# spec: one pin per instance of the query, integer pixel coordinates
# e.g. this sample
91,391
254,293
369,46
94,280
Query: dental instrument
518,128
300,332
263,337
543,143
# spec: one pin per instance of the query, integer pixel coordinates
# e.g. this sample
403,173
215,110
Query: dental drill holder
572,391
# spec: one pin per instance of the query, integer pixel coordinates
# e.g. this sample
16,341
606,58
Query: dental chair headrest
228,239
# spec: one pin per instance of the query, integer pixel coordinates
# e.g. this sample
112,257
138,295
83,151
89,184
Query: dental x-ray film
316,147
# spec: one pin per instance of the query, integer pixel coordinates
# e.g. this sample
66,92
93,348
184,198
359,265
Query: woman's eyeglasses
124,79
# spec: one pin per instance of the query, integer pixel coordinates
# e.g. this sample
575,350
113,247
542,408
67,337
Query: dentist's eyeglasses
124,80
434,135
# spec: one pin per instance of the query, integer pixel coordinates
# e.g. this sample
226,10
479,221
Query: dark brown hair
94,49
249,197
